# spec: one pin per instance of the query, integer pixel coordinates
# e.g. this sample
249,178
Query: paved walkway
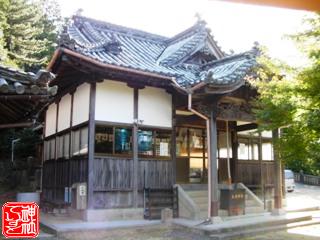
302,233
241,223
304,196
163,232
65,224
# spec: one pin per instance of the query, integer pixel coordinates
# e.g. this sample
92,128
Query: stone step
204,213
200,199
203,207
193,194
251,202
250,210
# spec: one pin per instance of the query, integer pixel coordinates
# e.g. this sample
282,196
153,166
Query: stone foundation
108,214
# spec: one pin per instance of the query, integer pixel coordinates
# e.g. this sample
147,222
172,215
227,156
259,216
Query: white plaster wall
64,112
81,101
51,115
114,102
155,107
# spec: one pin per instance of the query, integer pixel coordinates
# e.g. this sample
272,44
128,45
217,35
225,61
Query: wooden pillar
70,146
284,192
44,149
55,152
135,148
91,140
203,156
213,166
261,167
278,171
234,163
174,142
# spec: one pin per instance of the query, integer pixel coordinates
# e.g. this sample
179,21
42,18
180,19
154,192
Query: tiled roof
14,81
135,49
23,94
230,69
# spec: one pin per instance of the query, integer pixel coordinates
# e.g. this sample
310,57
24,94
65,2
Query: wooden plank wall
62,177
249,173
155,174
113,180
67,172
113,174
48,180
78,170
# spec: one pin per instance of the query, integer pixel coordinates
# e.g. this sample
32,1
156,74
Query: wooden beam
16,125
91,140
246,127
23,97
9,112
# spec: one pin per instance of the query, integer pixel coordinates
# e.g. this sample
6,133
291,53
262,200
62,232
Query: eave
160,80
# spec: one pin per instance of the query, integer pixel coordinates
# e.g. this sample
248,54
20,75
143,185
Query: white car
289,180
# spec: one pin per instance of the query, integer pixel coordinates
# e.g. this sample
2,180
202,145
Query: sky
234,26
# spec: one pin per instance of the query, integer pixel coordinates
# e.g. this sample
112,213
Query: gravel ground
160,232
169,233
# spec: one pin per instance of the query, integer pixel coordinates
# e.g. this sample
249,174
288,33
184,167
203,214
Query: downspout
13,142
208,147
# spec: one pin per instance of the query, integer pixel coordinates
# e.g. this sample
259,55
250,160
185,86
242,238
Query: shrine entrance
192,157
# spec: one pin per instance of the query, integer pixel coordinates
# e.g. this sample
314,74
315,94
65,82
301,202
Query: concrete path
67,224
311,232
304,196
244,222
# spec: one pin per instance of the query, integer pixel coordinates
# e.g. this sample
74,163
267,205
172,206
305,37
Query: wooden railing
307,179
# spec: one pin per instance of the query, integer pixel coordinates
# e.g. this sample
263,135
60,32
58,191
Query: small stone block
166,215
216,219
278,212
63,211
55,211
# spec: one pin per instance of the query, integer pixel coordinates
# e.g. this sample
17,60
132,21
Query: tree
30,30
21,33
3,25
52,23
293,103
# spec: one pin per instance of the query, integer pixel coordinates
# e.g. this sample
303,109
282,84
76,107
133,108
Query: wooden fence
307,179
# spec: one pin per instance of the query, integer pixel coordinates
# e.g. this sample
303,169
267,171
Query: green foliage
293,103
30,30
3,25
24,148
